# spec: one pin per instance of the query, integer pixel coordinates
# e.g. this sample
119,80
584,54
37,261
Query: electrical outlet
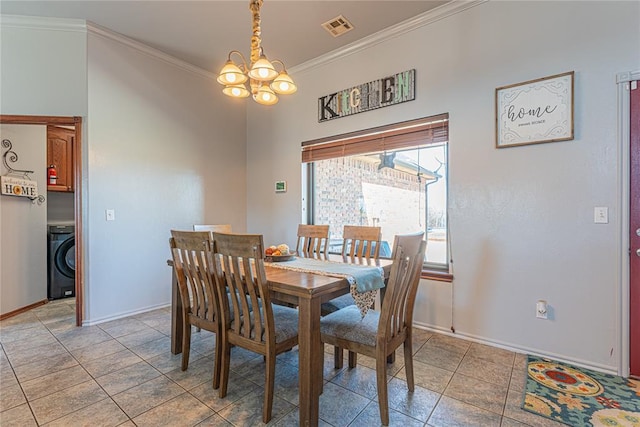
541,310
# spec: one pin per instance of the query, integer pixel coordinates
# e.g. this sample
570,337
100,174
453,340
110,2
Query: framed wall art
535,112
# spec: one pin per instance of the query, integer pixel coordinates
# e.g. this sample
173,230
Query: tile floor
123,373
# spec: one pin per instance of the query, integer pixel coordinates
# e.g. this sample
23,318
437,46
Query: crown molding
42,23
426,18
87,27
59,24
147,50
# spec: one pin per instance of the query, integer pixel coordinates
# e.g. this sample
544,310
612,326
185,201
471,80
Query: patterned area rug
580,397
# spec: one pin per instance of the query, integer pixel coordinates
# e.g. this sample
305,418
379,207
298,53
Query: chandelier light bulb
283,84
236,91
265,95
231,74
262,70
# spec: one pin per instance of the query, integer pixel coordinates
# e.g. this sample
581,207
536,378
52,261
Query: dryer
62,262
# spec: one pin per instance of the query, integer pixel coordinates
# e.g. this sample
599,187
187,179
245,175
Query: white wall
165,151
60,209
23,224
521,218
43,66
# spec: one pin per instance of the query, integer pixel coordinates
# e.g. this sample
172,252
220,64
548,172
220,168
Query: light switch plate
601,215
110,214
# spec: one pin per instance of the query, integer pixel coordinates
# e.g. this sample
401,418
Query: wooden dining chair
193,265
268,329
378,334
220,228
410,243
357,241
313,240
361,241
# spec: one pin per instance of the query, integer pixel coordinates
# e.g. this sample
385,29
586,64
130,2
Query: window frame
430,130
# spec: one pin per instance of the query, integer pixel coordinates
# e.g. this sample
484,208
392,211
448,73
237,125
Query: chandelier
264,81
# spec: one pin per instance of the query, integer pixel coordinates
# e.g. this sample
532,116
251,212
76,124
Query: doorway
74,124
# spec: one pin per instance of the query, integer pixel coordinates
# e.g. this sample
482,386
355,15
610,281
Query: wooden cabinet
60,154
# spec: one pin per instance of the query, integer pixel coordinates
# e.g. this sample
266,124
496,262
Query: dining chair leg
353,359
337,357
186,342
322,376
224,369
270,374
408,362
217,362
381,383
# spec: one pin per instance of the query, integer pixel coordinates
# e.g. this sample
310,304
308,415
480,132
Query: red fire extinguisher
52,174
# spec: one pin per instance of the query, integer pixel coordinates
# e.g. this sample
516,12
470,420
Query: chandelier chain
257,32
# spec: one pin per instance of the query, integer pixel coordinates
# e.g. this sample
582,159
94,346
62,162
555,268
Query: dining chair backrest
361,241
239,269
396,314
193,268
240,274
220,228
410,242
312,240
193,264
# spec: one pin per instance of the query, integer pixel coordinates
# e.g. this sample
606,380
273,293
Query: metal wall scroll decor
17,181
391,90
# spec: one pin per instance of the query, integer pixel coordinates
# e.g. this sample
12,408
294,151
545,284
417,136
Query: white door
23,223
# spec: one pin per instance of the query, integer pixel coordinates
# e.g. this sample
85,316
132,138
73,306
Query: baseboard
23,309
90,322
520,349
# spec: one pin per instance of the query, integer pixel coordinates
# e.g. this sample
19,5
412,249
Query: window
393,176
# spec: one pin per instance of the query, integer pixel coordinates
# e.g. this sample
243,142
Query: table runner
364,280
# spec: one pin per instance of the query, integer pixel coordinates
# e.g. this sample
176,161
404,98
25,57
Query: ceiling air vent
338,26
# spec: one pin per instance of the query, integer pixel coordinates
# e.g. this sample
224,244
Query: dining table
307,290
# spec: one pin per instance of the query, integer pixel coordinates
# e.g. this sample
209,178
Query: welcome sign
20,187
379,93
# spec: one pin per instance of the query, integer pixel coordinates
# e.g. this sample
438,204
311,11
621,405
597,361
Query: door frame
75,121
624,157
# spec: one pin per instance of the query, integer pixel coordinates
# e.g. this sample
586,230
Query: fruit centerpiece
279,250
279,253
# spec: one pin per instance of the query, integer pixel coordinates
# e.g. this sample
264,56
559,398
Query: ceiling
203,32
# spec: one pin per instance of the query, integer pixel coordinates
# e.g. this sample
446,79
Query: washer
61,262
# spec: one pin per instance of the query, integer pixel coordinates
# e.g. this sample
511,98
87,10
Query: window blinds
412,133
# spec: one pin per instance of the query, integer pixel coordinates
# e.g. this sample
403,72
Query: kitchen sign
536,111
379,93
20,187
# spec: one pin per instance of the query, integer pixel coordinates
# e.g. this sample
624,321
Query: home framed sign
535,111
